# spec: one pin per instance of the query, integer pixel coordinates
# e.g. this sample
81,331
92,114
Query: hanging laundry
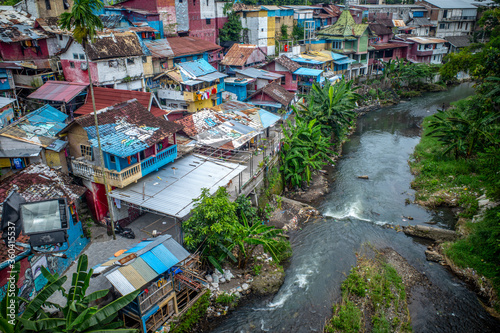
214,90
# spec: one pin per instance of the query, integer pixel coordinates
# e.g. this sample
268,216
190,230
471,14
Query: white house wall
111,75
207,9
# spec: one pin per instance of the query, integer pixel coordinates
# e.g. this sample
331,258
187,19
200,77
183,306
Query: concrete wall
115,70
182,15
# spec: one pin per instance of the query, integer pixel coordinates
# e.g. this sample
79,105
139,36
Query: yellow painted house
192,85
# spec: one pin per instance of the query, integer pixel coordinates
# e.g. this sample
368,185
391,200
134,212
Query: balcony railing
156,293
459,18
85,169
440,50
155,162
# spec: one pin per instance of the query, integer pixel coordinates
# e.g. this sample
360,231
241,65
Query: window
294,77
65,4
71,64
466,26
336,45
209,20
389,53
86,152
442,26
445,13
144,59
130,61
75,56
47,4
82,56
60,37
244,15
112,158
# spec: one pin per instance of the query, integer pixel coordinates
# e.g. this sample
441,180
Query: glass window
82,56
47,4
71,64
75,56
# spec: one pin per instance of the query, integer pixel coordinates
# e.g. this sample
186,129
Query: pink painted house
283,65
384,48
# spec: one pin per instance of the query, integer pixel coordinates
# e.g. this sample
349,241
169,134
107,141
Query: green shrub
256,269
226,299
192,316
347,319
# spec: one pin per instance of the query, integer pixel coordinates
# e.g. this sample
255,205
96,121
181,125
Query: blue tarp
267,118
197,67
308,71
307,61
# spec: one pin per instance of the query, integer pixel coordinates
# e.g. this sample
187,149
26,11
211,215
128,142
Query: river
355,213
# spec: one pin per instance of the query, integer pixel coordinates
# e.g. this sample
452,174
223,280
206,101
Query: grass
481,249
467,179
373,294
226,299
439,179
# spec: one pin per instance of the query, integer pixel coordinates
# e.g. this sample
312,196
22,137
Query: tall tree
84,24
231,31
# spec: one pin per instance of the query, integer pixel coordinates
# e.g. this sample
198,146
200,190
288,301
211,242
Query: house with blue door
134,143
238,88
166,275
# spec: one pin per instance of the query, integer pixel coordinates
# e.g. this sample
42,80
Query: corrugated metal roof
139,246
4,101
120,282
190,45
133,276
426,40
159,48
147,273
176,249
164,255
154,262
344,61
58,91
239,54
308,71
169,195
451,4
39,127
301,60
211,77
196,68
259,73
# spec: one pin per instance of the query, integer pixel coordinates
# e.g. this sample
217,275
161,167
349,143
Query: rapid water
355,210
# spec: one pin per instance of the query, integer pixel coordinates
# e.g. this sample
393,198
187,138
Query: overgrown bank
374,296
442,179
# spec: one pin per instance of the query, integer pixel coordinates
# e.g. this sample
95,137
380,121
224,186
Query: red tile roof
59,91
190,45
105,97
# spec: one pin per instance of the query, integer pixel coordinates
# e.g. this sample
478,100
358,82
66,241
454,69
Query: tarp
344,61
308,71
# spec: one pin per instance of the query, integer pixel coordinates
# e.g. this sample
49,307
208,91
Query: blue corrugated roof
117,142
258,73
308,71
336,56
197,67
165,256
267,118
307,61
138,247
153,262
50,113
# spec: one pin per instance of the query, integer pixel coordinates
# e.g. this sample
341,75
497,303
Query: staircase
188,282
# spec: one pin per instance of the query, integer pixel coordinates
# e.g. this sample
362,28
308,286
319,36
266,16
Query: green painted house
349,38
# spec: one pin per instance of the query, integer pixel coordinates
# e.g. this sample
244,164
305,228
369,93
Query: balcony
458,18
424,53
162,158
440,50
158,291
170,94
88,170
192,97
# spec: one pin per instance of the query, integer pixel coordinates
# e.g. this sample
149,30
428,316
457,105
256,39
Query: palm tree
77,315
85,24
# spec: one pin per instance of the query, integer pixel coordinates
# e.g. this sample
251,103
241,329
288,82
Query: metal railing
115,178
163,157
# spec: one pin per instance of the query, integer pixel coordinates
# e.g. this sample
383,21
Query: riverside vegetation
458,159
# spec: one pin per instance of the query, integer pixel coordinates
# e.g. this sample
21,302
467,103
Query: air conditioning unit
83,66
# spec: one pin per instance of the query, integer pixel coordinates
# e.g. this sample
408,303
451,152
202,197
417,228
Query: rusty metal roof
190,45
58,91
276,92
115,45
160,48
239,54
286,62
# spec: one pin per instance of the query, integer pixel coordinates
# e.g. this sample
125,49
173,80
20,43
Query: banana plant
78,315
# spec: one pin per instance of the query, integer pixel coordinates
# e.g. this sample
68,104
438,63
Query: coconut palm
84,24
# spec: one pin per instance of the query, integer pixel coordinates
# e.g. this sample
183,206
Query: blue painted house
166,275
134,143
